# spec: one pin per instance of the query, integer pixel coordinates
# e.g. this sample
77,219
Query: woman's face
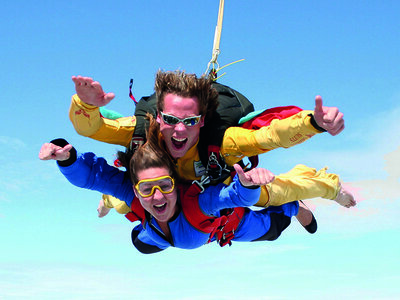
161,206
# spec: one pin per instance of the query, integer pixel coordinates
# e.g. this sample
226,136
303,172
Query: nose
157,194
180,127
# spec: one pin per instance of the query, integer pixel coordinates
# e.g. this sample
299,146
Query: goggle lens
172,120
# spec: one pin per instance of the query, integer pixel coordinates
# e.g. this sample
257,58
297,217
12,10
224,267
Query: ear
202,121
158,119
136,193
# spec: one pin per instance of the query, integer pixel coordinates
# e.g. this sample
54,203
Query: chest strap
137,212
223,227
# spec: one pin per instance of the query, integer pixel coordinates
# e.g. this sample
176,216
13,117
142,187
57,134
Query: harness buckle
136,141
203,181
214,169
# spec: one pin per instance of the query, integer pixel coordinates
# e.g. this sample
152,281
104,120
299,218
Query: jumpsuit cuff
72,157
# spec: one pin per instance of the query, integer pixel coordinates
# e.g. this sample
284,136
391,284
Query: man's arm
86,118
239,142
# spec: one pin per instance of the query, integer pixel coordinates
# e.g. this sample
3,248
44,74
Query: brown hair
150,154
186,85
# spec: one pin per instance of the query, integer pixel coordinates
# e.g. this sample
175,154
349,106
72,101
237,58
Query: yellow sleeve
240,142
87,121
119,205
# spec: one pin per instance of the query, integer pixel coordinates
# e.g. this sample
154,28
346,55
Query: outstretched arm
91,92
87,120
88,171
328,118
281,131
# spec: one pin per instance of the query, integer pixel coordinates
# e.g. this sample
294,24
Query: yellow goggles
147,187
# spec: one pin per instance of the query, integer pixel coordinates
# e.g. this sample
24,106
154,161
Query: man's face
179,138
161,206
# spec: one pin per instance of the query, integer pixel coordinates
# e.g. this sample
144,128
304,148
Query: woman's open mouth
160,208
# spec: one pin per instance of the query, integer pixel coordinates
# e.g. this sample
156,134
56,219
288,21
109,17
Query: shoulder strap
145,105
192,211
232,106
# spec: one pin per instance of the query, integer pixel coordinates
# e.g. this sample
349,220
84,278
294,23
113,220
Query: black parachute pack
232,106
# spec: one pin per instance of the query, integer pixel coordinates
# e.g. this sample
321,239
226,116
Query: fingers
239,170
91,92
330,114
45,151
82,81
337,126
63,152
261,176
328,118
50,151
333,121
258,176
108,97
318,104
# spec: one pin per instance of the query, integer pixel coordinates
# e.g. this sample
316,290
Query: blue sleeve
93,173
220,196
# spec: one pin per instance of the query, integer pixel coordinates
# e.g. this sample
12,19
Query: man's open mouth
178,143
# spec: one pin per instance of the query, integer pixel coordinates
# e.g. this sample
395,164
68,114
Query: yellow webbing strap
217,38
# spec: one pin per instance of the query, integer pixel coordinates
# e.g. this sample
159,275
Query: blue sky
53,244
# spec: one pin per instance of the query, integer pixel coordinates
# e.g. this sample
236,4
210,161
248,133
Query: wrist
315,124
72,153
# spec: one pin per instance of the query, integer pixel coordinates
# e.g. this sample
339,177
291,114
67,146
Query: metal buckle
203,181
136,141
214,169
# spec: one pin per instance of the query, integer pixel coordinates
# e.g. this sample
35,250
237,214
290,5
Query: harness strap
217,34
192,210
254,161
137,212
222,227
226,225
217,38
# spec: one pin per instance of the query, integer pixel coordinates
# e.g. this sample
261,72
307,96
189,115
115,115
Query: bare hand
51,151
257,176
329,118
91,92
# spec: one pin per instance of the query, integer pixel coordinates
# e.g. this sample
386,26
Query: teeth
160,205
179,140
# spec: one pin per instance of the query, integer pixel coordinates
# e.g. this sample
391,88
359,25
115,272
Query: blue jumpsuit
91,172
